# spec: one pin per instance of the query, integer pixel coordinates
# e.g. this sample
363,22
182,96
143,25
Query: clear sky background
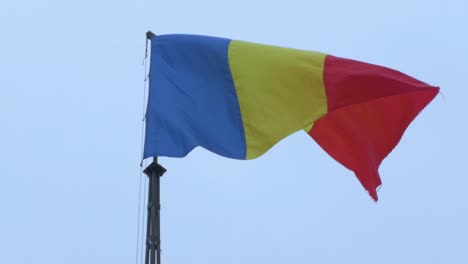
71,107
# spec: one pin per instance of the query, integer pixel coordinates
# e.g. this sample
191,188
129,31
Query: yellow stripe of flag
280,91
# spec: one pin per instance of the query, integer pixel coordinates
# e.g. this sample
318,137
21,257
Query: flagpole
153,225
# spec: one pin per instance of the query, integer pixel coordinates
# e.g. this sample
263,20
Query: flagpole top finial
149,34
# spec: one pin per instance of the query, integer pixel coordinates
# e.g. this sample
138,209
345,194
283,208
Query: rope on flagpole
141,213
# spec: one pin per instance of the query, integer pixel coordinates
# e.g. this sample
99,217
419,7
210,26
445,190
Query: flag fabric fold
238,99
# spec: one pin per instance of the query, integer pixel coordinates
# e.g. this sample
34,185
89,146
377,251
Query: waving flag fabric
238,99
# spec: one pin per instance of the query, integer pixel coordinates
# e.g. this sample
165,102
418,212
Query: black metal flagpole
153,225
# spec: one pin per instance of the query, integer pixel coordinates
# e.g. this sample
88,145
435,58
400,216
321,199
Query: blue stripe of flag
192,99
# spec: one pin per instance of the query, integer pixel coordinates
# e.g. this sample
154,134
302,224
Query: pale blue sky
71,95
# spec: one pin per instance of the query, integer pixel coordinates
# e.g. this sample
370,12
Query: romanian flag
238,99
